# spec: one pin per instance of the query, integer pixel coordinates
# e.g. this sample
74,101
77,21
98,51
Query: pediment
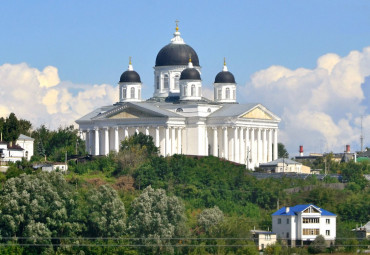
131,113
311,209
257,113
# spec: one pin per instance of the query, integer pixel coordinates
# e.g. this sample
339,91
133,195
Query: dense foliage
136,202
11,127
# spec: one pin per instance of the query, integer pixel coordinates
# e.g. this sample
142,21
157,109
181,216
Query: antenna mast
362,137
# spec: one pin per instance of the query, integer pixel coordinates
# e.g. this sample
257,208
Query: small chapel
179,118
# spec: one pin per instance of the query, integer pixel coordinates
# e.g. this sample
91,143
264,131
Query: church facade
179,119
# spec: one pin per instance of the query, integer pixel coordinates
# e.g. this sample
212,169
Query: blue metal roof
299,208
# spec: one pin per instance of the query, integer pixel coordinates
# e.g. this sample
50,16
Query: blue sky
89,42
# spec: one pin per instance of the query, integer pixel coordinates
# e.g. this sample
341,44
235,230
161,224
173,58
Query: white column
259,146
96,151
157,137
226,144
91,142
206,149
275,144
215,142
137,130
248,154
253,146
179,142
269,158
173,141
116,139
147,131
167,142
241,146
87,140
106,141
126,133
236,145
264,158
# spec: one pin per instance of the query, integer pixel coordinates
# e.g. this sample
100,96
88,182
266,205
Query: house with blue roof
301,224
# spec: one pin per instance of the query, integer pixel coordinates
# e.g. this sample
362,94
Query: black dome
130,76
176,54
190,74
225,77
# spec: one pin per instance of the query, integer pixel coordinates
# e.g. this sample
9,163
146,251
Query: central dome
176,54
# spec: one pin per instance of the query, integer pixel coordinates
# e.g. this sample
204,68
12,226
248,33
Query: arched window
193,90
124,93
199,92
227,93
219,94
132,92
177,80
165,81
139,93
234,94
185,89
157,82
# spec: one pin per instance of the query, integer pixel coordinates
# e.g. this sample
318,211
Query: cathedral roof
190,74
176,54
130,76
225,77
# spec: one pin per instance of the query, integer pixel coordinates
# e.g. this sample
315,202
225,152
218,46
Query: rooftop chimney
287,209
300,150
348,148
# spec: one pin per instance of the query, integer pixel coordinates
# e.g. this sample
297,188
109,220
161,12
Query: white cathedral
179,119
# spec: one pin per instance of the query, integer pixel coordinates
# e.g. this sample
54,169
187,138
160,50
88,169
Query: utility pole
362,137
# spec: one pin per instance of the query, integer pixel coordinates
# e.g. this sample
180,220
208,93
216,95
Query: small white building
263,238
51,166
26,143
284,165
303,223
10,152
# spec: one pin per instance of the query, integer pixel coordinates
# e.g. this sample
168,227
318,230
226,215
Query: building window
193,90
311,220
327,232
287,221
185,89
157,82
177,81
165,81
327,221
287,234
267,237
139,93
279,221
132,92
124,93
227,93
199,93
234,94
311,231
219,94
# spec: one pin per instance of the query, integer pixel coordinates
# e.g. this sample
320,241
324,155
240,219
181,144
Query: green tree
210,218
38,205
106,213
157,218
282,152
318,245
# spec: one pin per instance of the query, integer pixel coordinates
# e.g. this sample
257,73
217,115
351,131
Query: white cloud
321,107
40,96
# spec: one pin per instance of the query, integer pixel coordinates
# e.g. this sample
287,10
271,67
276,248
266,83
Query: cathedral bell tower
225,86
130,85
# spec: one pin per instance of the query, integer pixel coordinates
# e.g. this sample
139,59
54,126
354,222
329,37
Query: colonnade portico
102,140
242,144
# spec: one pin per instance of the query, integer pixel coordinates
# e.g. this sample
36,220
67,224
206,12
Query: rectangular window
219,94
327,232
311,220
287,235
311,231
287,221
327,221
279,221
267,237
